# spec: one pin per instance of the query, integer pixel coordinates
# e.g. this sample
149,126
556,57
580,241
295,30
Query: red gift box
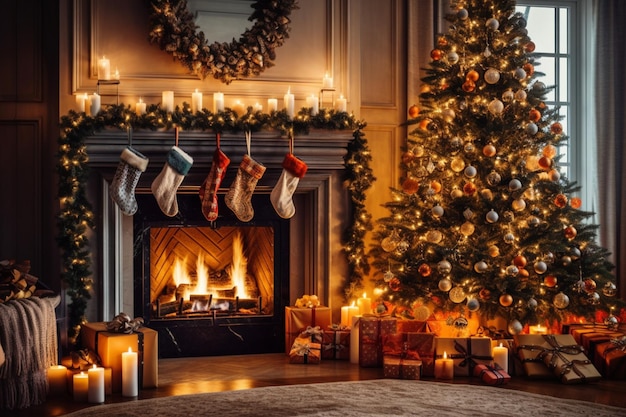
372,329
401,368
412,326
305,352
491,375
610,358
336,343
299,319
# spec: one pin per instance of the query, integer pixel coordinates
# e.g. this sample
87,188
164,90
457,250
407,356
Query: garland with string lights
75,218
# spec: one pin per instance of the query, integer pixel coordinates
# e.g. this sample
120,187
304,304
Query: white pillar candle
94,104
81,101
116,74
80,387
258,107
167,101
327,81
196,101
341,104
130,379
140,107
289,103
347,312
218,102
272,105
57,379
313,103
364,304
501,357
444,368
104,69
354,339
95,391
239,108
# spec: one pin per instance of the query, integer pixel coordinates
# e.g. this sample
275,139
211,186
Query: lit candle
538,329
258,107
238,107
95,391
80,383
104,69
365,304
501,357
140,107
327,81
57,379
444,367
289,103
81,101
130,381
347,312
167,101
196,101
313,102
272,105
116,74
94,104
354,339
218,102
341,104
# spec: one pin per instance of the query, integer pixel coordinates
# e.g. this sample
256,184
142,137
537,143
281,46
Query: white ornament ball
421,313
555,175
456,193
532,304
434,236
539,86
515,327
512,270
492,76
519,74
532,129
508,96
462,14
509,238
453,57
444,267
495,107
540,267
520,95
515,184
473,304
561,300
492,24
445,285
492,216
437,211
533,221
470,171
418,151
481,267
448,115
457,164
493,178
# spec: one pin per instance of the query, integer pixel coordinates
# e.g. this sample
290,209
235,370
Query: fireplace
306,255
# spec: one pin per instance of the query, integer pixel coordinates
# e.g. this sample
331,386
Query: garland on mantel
75,219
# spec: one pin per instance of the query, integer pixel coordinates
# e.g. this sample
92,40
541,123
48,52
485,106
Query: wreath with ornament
173,28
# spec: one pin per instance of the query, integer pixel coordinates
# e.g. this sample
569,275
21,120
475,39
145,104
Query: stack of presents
445,348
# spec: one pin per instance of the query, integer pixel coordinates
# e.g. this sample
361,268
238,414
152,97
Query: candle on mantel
327,81
538,329
272,105
289,103
140,107
95,391
116,74
347,312
94,104
444,367
57,379
364,304
167,101
104,69
130,381
501,357
341,104
196,101
80,384
354,339
257,106
239,108
82,100
218,102
313,102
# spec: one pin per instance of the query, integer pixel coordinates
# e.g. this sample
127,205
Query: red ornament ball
575,202
436,54
489,150
589,285
545,162
410,186
423,124
442,41
530,47
436,186
506,300
556,128
395,284
550,281
520,261
570,232
529,68
413,111
469,86
408,157
484,294
534,115
560,200
472,75
424,270
469,188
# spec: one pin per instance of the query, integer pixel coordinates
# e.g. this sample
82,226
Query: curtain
610,108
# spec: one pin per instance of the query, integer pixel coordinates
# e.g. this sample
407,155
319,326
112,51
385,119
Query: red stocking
208,189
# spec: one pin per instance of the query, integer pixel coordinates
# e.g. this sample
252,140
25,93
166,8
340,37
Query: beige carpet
383,397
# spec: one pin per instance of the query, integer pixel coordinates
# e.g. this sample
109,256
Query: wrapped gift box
412,326
298,319
372,329
491,375
610,358
591,336
336,343
568,360
400,368
110,347
304,351
466,352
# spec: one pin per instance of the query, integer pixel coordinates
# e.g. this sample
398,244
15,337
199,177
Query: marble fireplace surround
316,263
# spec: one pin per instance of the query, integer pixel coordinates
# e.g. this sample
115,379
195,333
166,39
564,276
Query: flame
202,273
239,267
180,274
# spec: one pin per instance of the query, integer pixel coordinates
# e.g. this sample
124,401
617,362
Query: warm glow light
239,267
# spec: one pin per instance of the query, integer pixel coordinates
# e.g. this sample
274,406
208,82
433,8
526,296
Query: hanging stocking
165,185
239,196
281,196
208,189
122,189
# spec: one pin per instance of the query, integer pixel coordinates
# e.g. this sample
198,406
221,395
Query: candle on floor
167,101
354,339
347,312
365,304
57,379
444,367
272,105
104,69
80,384
95,390
538,329
218,102
196,102
140,107
501,357
130,380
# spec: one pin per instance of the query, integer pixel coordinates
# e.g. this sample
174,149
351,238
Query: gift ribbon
302,349
335,344
315,333
618,344
495,370
466,355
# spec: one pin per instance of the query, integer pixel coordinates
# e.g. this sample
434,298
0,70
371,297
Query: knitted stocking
166,184
239,196
122,189
208,189
281,196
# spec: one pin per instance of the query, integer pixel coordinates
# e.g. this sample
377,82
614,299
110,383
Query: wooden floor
182,376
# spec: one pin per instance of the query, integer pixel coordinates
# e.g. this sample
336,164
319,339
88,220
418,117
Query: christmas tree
484,220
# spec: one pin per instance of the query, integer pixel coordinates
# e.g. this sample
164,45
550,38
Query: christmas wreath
173,28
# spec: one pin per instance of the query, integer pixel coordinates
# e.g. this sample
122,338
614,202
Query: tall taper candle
289,103
196,102
167,101
218,102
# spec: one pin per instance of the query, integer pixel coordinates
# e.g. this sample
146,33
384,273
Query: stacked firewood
15,280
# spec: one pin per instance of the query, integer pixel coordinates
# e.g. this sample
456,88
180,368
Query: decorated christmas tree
484,220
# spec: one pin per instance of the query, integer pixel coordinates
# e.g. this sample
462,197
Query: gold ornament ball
467,229
549,151
589,285
445,285
493,251
472,75
413,111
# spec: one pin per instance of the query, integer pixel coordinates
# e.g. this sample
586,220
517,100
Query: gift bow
467,356
560,352
301,349
496,372
315,333
618,343
122,323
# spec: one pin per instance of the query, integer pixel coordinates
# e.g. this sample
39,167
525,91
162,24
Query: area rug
383,397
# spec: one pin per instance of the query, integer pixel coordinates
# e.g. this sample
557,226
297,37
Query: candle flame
445,355
500,344
289,90
94,366
352,303
364,295
130,349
